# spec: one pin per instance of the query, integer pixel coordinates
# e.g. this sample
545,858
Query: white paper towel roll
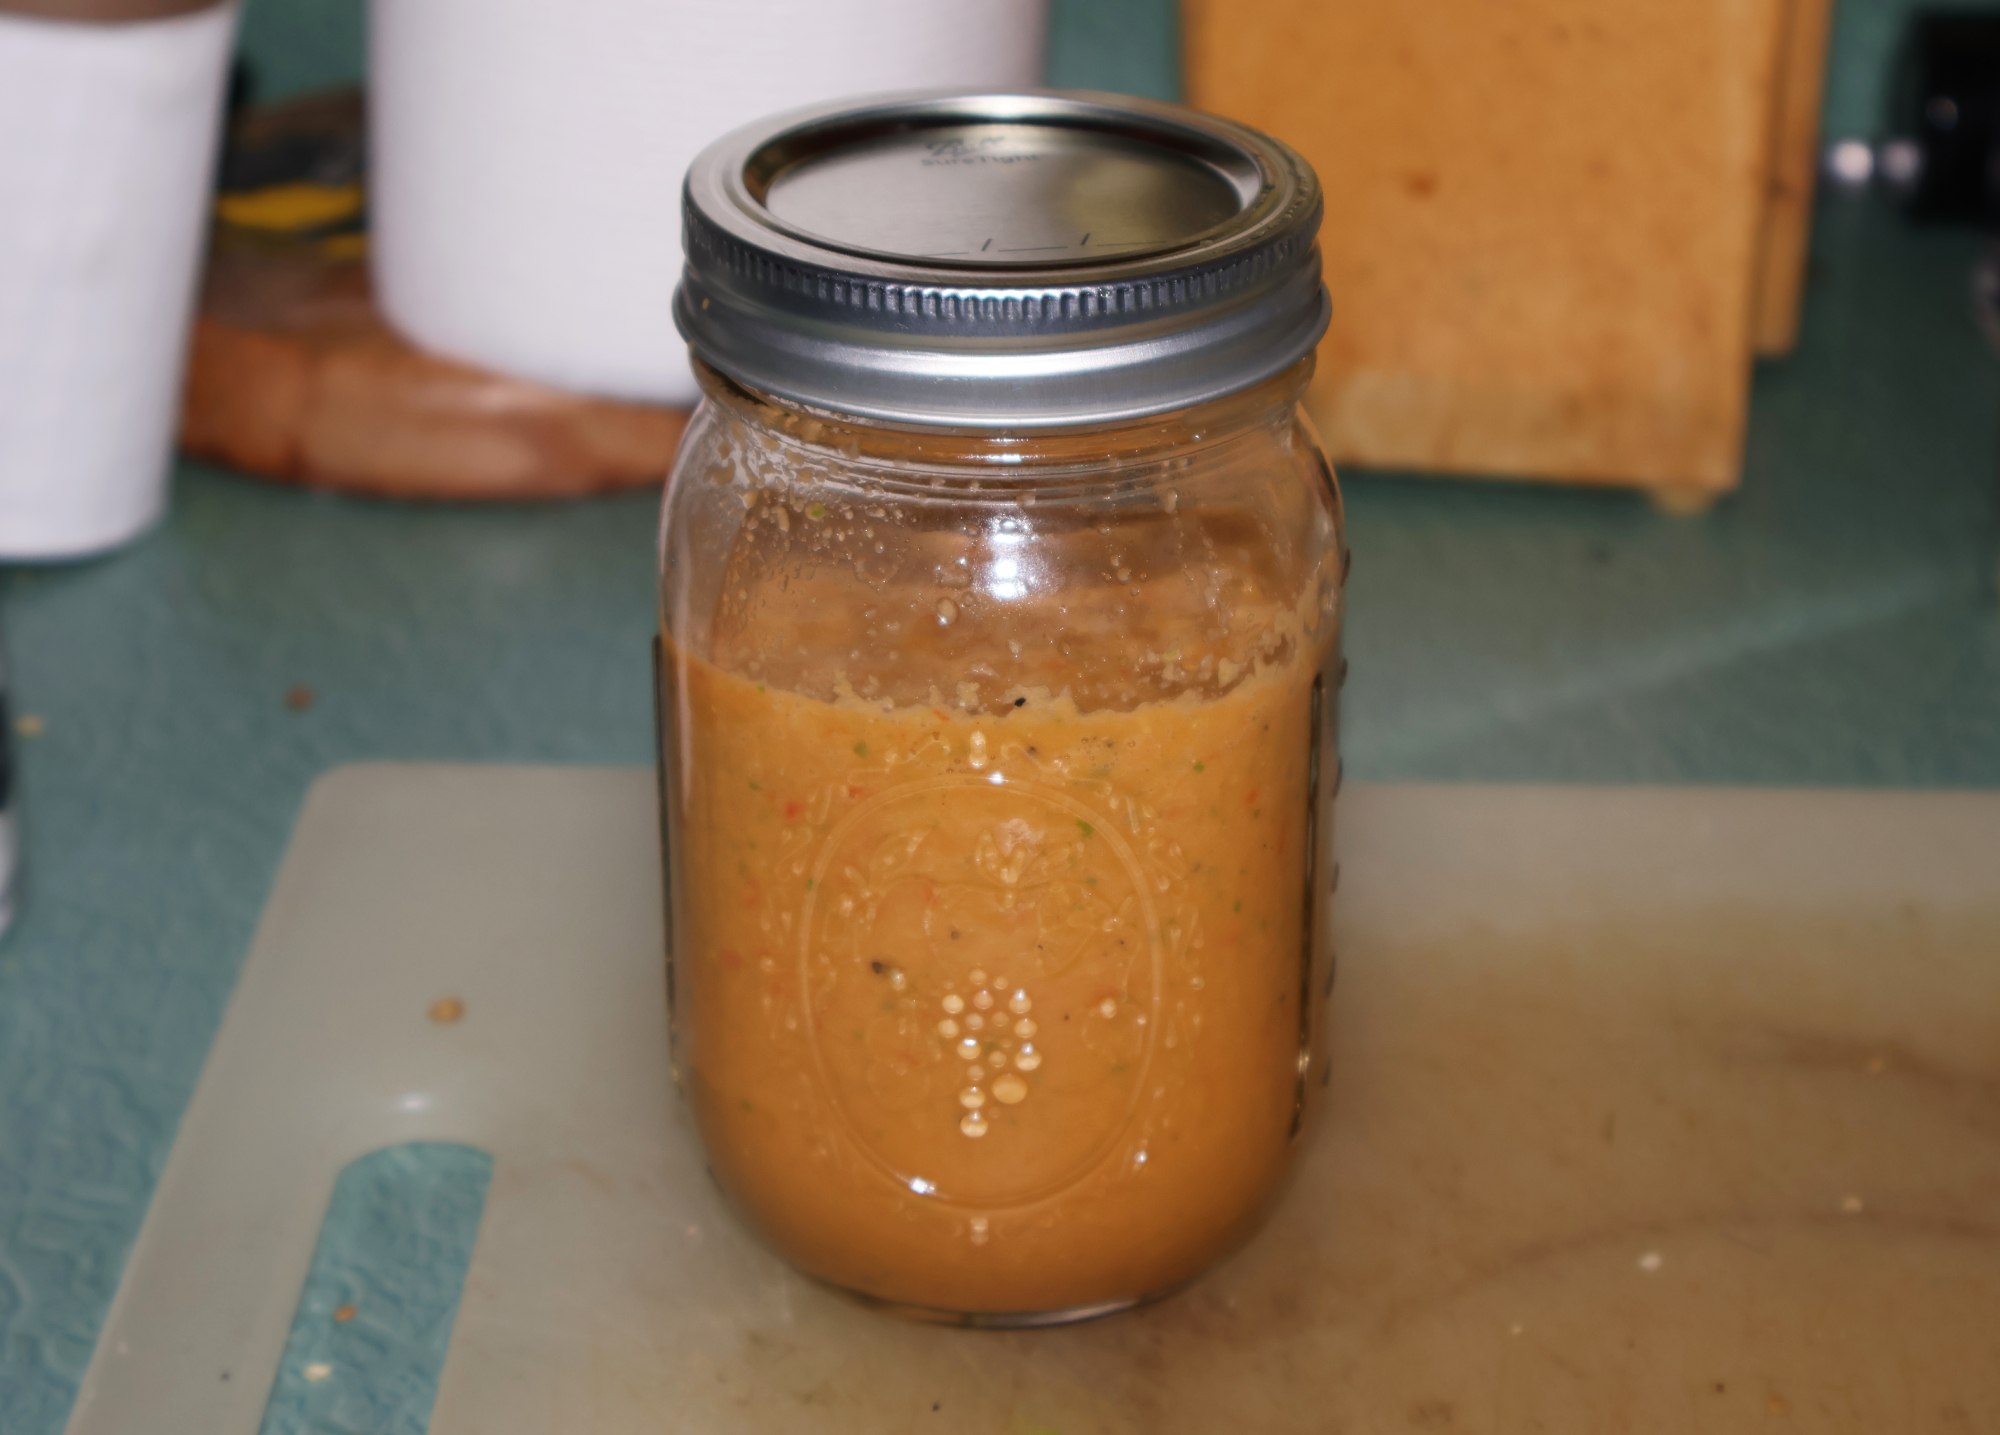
107,137
526,156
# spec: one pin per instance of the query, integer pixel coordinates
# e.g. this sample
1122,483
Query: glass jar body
998,778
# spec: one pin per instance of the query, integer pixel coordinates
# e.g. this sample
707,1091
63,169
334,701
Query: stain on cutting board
1734,1171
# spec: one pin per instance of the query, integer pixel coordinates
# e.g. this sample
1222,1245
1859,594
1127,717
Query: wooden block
1542,221
294,376
1781,257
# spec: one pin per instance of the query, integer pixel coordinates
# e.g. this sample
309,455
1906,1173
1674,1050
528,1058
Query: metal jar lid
1000,261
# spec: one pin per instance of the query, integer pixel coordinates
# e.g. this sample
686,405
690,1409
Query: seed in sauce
1010,1089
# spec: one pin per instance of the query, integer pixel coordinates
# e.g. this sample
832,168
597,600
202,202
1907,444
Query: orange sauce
997,1008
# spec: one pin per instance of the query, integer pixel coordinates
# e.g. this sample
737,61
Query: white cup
526,156
108,135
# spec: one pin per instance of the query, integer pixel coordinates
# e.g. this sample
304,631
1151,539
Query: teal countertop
1834,624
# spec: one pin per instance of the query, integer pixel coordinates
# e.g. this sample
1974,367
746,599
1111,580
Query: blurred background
1658,384
1130,46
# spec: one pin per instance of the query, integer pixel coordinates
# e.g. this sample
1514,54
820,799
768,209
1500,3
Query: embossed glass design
998,783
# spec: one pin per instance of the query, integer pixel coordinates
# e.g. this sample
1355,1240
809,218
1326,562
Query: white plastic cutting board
1668,1110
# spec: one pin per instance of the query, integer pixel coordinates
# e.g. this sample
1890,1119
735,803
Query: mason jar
1000,601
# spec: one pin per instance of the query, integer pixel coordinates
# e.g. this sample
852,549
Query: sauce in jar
995,822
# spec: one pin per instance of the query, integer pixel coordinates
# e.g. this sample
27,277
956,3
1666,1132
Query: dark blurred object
1986,293
242,89
294,171
295,376
1944,155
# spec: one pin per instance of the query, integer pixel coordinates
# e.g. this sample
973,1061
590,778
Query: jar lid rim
834,256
